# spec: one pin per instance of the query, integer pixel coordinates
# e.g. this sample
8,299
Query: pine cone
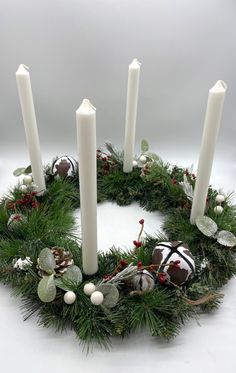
63,261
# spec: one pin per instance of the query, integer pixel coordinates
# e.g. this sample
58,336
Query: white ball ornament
135,163
89,288
143,159
23,188
220,198
218,210
69,297
27,180
97,298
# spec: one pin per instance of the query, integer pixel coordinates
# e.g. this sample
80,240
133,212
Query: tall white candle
211,128
30,124
131,114
86,137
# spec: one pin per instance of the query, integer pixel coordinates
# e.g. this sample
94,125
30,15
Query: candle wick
25,66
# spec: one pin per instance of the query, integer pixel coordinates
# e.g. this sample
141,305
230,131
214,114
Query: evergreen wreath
157,284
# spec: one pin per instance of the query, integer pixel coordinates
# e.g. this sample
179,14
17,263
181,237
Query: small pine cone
63,261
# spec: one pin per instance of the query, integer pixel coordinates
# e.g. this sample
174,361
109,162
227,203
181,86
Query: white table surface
204,345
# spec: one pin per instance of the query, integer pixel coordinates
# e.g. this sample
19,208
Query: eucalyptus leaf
111,295
144,145
226,238
46,260
73,274
206,225
28,170
153,156
62,285
19,171
47,289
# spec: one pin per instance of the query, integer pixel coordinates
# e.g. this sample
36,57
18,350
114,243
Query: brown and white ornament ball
143,281
175,261
15,220
64,166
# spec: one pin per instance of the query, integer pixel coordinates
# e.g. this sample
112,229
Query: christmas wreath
160,283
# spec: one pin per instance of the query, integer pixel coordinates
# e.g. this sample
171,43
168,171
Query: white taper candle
211,128
131,114
86,137
30,124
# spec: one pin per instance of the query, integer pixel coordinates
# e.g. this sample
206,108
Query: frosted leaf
206,225
73,274
226,238
61,285
46,260
187,188
111,295
47,289
144,146
19,171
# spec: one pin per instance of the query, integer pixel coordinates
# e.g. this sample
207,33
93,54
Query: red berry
107,277
177,262
162,277
174,181
139,265
141,221
17,217
137,243
123,262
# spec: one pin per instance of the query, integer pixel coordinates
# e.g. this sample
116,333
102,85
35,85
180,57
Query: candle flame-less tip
86,106
220,86
22,69
135,63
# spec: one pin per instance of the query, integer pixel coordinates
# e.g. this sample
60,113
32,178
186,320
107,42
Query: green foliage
165,309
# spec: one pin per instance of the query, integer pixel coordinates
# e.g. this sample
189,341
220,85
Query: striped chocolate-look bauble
166,254
64,166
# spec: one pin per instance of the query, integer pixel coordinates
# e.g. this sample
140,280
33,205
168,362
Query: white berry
89,288
23,188
27,180
69,297
97,298
135,163
218,210
220,198
143,159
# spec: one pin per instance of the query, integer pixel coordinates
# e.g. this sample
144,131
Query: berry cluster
108,163
28,201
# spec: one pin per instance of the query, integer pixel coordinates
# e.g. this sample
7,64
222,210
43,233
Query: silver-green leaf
144,146
61,285
28,170
19,171
153,156
73,274
47,289
206,225
46,260
226,238
111,295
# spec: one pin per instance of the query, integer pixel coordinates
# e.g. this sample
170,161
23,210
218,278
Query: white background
78,49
